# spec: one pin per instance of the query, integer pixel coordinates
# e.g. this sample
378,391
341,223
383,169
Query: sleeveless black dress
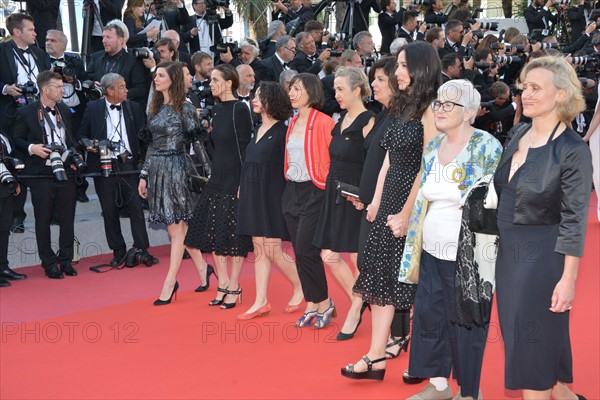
339,223
261,188
212,228
378,280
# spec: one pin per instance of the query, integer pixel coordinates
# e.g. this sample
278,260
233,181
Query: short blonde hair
356,78
563,78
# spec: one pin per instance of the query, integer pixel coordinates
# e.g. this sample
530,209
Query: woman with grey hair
452,162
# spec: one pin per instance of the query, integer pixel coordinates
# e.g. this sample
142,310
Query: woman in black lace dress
173,125
212,229
418,75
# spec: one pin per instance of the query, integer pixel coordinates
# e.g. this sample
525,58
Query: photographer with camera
43,132
204,28
410,25
9,188
116,59
388,21
539,16
307,58
578,14
435,13
457,39
294,15
111,126
21,63
497,116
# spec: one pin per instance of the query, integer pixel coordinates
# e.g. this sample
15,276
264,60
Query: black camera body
336,53
9,167
71,156
64,69
29,93
92,92
136,257
105,147
222,45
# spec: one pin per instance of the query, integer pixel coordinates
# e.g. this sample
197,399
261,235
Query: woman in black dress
418,75
173,125
212,229
133,17
261,188
339,221
543,182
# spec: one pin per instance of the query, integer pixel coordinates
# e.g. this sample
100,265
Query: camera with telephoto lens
29,93
138,256
92,92
105,148
489,26
64,69
549,45
584,60
9,167
488,105
145,53
425,3
560,2
56,161
226,43
484,65
336,53
507,59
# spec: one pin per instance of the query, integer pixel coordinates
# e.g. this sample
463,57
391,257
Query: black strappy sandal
402,342
370,373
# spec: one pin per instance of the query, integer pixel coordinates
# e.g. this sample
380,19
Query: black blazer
274,67
186,58
93,126
577,17
330,104
301,63
186,37
27,130
556,190
176,19
136,39
433,18
388,25
362,10
304,13
111,9
45,14
8,76
131,69
449,49
534,18
403,34
267,48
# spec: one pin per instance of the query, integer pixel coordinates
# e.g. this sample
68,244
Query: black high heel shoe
209,271
347,336
370,373
402,342
218,302
160,302
227,306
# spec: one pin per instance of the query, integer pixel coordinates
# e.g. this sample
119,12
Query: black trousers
5,224
301,206
115,192
18,205
439,345
401,322
46,195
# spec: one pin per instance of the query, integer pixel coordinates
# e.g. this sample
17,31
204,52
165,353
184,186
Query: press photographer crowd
396,165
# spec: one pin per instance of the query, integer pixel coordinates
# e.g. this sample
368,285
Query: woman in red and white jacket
306,168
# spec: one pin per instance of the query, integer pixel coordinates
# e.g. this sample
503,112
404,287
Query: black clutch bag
481,219
345,190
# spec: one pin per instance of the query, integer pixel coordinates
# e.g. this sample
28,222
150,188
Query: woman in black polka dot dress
419,75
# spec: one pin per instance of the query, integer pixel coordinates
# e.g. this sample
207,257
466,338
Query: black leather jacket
556,190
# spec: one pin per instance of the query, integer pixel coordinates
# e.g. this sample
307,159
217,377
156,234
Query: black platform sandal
370,373
402,342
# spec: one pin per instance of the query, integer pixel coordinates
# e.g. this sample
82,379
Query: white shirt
246,102
52,136
204,39
26,71
442,222
116,130
6,143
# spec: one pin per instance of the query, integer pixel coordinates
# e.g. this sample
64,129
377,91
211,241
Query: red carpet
97,336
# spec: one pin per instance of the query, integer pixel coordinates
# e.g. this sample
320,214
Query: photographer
249,56
115,123
204,28
435,13
409,26
363,43
21,63
496,116
456,38
539,16
388,21
307,59
294,14
485,71
285,50
116,59
577,14
43,132
9,188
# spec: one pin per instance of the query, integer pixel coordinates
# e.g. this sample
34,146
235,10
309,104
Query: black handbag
195,182
481,219
345,190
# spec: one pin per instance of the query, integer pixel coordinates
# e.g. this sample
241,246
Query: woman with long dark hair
306,167
173,125
261,188
213,227
418,75
133,17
